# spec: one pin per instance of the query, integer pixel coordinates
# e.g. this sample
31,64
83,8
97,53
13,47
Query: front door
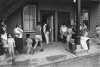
63,18
48,18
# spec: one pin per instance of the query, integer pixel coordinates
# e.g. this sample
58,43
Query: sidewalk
54,52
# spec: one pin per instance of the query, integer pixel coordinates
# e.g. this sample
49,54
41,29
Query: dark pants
88,44
19,44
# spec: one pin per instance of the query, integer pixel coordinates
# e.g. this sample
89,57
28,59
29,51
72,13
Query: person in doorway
18,38
98,31
69,36
63,32
83,27
29,42
46,30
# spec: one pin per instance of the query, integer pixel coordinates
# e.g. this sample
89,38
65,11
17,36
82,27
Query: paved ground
54,52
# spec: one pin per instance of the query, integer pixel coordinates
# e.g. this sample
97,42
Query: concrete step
80,51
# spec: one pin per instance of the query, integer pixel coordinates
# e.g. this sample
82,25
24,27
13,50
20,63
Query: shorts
38,37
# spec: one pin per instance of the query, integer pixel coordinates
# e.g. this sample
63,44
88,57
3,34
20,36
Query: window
29,18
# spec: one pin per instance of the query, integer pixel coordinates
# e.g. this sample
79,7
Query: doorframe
52,12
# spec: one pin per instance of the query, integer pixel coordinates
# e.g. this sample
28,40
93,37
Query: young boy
11,44
29,43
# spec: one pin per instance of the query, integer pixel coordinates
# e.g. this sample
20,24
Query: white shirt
63,29
18,32
98,30
11,42
4,36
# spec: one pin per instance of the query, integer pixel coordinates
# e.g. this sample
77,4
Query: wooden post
78,13
56,26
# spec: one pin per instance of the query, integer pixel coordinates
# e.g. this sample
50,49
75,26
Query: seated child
29,43
11,44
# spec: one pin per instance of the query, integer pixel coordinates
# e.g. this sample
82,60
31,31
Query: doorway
47,17
63,18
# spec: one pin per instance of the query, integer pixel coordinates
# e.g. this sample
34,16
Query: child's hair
9,34
83,32
27,35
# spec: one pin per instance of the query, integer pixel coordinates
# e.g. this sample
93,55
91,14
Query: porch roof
7,7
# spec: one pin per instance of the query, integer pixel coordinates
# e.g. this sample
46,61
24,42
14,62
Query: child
84,39
11,45
29,43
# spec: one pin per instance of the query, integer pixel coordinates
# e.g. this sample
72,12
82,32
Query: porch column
56,26
78,13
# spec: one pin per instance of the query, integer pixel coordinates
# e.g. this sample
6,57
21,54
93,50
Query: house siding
94,17
14,19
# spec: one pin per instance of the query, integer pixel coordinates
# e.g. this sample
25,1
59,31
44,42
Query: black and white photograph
49,33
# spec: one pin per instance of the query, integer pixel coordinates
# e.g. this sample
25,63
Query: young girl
84,40
29,43
11,44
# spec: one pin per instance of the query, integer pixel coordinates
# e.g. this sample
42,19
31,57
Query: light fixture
74,1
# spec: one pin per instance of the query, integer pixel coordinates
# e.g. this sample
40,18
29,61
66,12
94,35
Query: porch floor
53,52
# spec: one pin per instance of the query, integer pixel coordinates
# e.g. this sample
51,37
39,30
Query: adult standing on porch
18,38
3,33
46,30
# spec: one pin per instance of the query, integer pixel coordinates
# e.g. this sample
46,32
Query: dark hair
27,35
9,34
97,25
17,25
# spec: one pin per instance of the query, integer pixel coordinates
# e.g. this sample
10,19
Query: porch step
80,51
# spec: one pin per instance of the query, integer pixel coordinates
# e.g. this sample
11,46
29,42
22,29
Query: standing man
18,38
46,30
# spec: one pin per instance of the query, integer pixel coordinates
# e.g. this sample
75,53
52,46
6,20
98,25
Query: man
46,30
63,32
18,38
